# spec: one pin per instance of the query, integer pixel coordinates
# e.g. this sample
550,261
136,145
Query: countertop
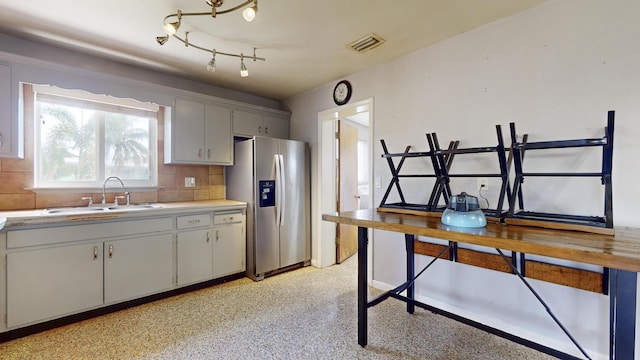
38,216
619,251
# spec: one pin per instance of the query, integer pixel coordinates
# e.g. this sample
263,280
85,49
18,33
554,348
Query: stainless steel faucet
104,184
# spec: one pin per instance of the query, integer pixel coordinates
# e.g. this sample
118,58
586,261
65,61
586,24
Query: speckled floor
304,314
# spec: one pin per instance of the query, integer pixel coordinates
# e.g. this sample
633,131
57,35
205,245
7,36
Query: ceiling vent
366,43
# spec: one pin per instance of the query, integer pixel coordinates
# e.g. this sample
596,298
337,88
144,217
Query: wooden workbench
619,252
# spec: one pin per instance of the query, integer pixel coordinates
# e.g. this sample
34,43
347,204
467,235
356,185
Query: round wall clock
342,92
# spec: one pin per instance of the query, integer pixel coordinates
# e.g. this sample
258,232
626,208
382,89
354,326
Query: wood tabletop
619,251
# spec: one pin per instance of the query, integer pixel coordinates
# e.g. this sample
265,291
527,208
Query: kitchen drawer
227,218
192,221
70,233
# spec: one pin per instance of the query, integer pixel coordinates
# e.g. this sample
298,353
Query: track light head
162,39
171,28
250,13
211,66
243,68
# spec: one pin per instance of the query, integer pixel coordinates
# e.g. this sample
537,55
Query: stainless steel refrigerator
272,177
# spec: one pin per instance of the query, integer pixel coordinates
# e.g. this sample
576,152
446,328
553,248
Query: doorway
353,164
347,185
360,115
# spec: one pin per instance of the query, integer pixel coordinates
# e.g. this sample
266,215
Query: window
81,138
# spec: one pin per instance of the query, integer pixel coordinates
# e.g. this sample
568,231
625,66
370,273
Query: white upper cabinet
275,127
247,123
256,123
217,135
198,133
11,144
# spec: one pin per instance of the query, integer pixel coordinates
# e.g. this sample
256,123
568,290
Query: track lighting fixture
172,23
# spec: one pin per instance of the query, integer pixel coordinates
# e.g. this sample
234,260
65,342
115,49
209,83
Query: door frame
326,231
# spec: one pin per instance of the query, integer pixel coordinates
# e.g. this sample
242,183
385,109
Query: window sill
79,190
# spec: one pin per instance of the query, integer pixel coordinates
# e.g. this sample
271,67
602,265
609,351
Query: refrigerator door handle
278,199
282,190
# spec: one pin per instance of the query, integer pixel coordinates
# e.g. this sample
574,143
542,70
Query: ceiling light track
172,24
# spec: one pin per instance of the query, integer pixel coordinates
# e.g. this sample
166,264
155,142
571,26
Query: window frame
83,99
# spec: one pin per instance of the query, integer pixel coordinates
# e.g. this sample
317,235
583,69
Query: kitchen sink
73,210
98,209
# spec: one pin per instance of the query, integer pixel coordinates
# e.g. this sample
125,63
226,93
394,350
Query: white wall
555,71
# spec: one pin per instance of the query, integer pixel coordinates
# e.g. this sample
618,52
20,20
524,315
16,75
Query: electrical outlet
189,182
483,183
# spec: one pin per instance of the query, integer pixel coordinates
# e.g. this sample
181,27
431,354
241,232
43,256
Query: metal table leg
622,314
410,271
363,294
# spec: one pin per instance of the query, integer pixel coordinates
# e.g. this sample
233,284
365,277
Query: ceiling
304,41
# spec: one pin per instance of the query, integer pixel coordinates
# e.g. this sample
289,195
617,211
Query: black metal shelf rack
441,161
518,150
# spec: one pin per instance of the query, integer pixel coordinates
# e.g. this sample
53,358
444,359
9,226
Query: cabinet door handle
266,130
260,129
110,251
199,152
208,153
217,237
0,139
208,236
95,253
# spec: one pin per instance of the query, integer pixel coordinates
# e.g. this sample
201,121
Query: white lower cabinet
229,249
211,251
55,271
49,283
137,267
194,256
194,247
